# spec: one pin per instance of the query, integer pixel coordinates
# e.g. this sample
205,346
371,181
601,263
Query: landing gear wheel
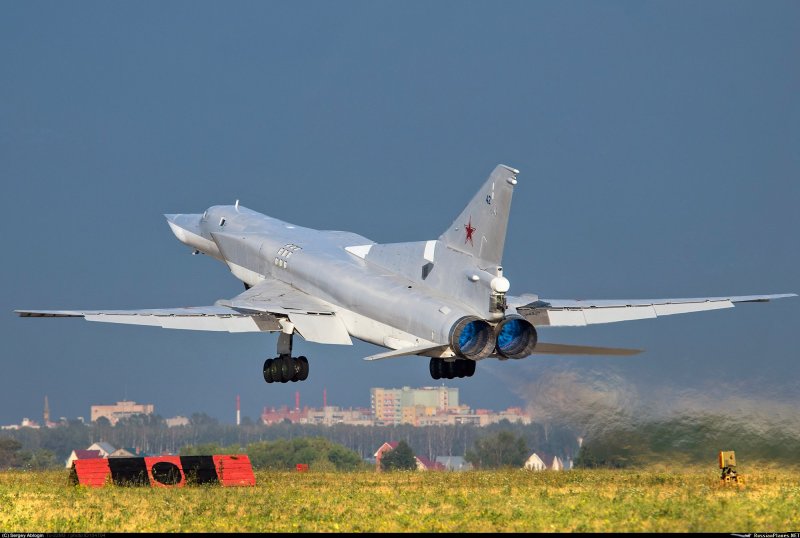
295,369
442,369
469,371
287,369
268,371
275,369
302,374
435,368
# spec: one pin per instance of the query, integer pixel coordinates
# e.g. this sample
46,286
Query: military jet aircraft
445,298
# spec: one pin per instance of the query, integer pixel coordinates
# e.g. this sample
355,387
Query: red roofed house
82,455
424,464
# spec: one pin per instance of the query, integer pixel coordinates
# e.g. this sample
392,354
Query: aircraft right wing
258,309
572,313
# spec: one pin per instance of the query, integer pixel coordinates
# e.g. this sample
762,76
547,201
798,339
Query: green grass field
475,501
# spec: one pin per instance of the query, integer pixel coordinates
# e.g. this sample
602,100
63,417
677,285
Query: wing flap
323,329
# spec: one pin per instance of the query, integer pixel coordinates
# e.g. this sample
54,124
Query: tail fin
480,230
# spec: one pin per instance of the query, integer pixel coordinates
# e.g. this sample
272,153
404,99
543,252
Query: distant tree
10,453
139,420
271,455
247,421
39,459
64,439
209,449
344,459
503,449
401,458
102,422
202,419
317,452
587,459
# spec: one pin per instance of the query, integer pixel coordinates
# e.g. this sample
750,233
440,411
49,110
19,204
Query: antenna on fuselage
237,205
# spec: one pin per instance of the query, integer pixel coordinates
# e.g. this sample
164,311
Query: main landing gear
442,369
284,367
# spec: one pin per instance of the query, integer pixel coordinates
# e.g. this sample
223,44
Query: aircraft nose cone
186,227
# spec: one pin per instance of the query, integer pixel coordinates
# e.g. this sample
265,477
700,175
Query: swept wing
573,313
259,309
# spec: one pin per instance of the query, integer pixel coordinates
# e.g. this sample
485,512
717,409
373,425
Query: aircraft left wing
573,313
259,309
197,318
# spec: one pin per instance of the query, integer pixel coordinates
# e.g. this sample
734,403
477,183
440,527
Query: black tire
275,369
302,375
470,368
449,369
268,370
436,368
287,369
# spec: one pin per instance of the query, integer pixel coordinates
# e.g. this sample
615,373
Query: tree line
148,434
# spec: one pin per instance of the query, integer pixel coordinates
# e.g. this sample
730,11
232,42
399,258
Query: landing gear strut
284,367
442,369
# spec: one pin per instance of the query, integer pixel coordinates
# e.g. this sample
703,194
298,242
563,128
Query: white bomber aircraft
445,298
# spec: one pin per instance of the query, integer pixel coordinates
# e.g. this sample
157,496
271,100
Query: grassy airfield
654,500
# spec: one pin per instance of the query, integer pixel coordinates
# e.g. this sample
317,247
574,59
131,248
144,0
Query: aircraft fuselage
375,305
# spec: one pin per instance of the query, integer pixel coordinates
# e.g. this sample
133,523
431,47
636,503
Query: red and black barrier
164,471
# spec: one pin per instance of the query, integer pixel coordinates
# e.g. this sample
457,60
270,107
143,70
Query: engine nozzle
472,338
516,337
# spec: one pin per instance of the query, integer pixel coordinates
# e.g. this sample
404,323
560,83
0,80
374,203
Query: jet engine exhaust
516,337
472,338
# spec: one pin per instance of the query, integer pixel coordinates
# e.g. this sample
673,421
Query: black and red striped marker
164,471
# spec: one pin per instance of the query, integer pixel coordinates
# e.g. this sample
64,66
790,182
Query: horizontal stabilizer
402,352
568,349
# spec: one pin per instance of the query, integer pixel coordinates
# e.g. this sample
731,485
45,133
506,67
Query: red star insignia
469,229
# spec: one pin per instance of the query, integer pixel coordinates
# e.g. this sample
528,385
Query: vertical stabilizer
480,230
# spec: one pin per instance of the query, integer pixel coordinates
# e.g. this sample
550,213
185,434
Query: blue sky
658,144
